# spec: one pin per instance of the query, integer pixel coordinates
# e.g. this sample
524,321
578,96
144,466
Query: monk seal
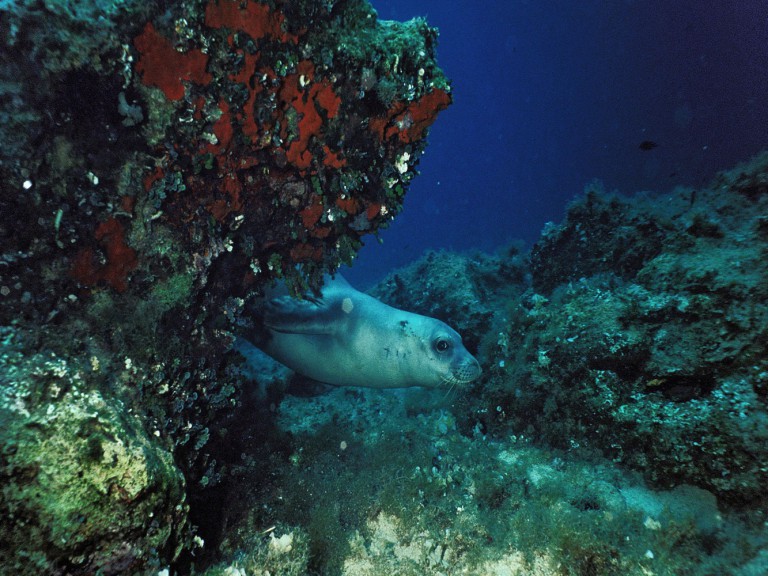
347,338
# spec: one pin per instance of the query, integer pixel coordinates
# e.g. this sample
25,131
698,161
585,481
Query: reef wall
643,336
162,162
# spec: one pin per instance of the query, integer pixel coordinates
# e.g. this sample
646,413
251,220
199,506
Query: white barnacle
402,162
406,121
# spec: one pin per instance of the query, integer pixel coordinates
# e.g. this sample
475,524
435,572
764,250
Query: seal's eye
442,345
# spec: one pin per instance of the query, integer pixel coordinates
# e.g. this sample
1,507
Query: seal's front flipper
306,316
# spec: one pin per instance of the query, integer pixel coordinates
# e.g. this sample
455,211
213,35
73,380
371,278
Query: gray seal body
347,338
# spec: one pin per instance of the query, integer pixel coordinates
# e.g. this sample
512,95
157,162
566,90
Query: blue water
551,95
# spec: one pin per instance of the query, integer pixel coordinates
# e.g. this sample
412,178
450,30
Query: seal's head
449,361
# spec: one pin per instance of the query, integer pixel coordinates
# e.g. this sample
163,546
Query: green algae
381,485
84,486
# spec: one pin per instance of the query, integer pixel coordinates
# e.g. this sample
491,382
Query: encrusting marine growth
292,132
161,164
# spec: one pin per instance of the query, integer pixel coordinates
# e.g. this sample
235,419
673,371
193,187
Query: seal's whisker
450,389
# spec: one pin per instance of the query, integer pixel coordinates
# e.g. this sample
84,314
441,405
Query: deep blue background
551,94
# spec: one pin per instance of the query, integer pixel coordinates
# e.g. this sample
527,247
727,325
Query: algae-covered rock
161,164
275,552
84,487
600,233
296,127
644,335
381,483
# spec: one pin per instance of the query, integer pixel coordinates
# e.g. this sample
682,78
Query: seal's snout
467,371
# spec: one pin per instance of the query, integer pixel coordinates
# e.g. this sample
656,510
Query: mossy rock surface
84,489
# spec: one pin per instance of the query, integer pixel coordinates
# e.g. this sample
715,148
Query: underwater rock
654,355
600,233
387,484
295,127
86,489
641,334
280,128
286,554
160,165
